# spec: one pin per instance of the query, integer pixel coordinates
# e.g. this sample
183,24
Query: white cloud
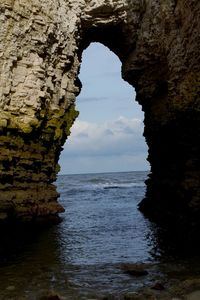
122,136
108,144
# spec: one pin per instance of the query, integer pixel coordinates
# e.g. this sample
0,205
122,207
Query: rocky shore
181,290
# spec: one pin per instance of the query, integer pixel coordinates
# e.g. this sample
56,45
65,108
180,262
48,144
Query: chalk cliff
41,43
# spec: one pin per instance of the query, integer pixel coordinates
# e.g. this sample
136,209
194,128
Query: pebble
158,286
10,288
134,269
193,296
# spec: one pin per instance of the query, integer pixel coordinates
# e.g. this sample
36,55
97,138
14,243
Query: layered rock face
41,43
38,69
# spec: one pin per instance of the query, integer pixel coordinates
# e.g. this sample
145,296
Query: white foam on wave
113,185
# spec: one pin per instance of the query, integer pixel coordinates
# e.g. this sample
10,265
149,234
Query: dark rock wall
165,71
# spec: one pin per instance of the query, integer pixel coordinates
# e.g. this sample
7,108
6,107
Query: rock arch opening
108,134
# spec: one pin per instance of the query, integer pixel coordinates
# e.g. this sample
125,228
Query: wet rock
158,286
133,296
186,288
10,288
51,296
141,296
134,269
109,297
193,296
3,216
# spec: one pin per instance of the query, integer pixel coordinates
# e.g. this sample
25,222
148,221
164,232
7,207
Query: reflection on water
101,229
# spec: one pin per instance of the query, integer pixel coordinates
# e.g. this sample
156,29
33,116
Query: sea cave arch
40,54
108,134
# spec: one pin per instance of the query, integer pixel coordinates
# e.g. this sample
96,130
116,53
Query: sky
108,134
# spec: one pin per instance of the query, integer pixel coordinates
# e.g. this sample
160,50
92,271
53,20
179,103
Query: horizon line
106,172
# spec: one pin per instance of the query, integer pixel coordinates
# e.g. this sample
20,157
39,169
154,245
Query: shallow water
81,256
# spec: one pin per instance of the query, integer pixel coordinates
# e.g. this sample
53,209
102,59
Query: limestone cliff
41,43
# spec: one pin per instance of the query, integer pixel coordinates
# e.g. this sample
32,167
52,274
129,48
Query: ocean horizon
101,172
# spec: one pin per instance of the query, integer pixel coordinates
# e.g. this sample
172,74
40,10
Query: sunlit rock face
41,43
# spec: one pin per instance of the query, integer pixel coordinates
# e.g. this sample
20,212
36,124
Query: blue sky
107,136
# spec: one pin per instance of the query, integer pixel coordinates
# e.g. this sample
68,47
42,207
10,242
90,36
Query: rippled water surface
101,229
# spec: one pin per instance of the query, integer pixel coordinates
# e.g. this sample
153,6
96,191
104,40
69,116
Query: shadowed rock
135,269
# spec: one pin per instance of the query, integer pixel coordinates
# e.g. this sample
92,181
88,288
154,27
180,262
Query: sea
81,257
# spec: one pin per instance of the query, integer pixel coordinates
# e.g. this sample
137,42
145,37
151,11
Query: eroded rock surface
41,43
